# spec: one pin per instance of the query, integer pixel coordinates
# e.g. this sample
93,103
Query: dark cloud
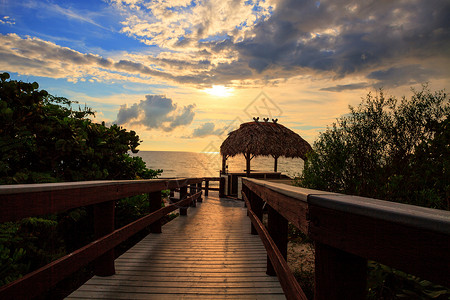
346,37
343,87
207,129
378,39
156,112
398,76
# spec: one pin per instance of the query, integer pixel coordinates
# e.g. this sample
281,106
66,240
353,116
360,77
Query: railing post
278,230
155,204
103,225
206,188
192,191
338,274
199,189
183,195
257,207
222,187
246,191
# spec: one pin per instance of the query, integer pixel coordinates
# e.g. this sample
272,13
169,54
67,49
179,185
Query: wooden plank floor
210,254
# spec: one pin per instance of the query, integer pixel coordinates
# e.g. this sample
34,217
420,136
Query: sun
219,91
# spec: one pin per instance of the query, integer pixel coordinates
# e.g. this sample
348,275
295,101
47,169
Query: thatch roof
265,139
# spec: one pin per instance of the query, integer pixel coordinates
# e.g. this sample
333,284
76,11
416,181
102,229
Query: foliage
130,209
302,261
387,283
388,149
393,150
26,245
44,139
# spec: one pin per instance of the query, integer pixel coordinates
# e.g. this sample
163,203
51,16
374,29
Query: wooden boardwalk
210,254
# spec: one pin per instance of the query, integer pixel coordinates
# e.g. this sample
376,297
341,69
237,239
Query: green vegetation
43,139
392,150
387,149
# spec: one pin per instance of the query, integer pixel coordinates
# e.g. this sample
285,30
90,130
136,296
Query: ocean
191,164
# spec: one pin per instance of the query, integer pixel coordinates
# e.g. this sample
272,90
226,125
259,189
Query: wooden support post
192,191
278,230
222,187
257,205
247,160
199,189
206,188
103,225
339,274
246,192
155,204
224,164
183,195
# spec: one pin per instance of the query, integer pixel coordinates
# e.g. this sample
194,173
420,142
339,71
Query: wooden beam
291,288
39,281
278,230
292,209
103,225
206,188
199,189
222,187
18,203
28,200
257,207
192,191
183,195
414,250
155,204
338,274
224,164
211,178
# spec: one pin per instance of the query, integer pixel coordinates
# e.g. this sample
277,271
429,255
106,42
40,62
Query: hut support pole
224,164
275,165
247,158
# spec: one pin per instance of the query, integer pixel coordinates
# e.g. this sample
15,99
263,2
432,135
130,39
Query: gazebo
263,139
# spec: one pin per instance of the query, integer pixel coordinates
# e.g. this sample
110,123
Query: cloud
396,76
71,14
207,129
156,112
173,24
343,87
34,56
7,20
262,42
272,40
347,37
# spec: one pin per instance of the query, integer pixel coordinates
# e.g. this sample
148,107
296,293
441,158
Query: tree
387,149
392,150
43,139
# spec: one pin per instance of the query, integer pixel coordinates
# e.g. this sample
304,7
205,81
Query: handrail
348,230
47,198
291,288
19,201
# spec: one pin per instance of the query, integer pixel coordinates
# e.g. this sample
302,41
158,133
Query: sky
182,73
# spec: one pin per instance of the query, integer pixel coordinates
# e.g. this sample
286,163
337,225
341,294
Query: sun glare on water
219,91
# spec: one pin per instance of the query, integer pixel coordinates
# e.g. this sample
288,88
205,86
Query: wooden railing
347,231
220,188
28,200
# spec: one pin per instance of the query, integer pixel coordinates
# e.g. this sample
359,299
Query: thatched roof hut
264,139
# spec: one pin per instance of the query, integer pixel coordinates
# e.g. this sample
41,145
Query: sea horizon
208,164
